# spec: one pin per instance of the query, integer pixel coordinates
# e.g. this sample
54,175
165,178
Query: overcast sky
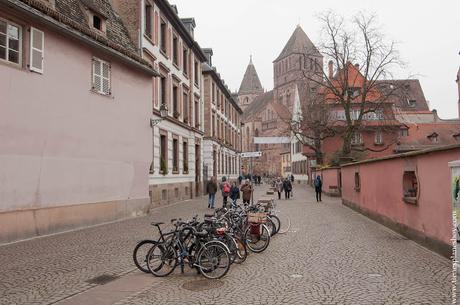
428,32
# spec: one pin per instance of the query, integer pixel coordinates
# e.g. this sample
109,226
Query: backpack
317,182
226,188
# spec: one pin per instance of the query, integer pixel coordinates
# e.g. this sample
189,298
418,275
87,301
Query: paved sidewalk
331,255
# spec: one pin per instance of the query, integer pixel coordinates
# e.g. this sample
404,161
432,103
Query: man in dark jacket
211,188
287,186
318,188
234,193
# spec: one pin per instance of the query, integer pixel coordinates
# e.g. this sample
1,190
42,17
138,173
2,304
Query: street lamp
163,114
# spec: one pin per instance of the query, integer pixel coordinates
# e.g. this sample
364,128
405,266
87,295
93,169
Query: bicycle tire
207,256
242,251
277,223
167,256
248,239
142,266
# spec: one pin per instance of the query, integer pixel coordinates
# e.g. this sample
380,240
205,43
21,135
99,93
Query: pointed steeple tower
298,43
251,82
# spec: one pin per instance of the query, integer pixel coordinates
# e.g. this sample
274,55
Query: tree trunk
346,147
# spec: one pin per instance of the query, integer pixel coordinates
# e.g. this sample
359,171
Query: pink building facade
75,140
412,197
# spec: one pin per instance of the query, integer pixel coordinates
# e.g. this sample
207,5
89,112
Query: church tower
298,58
250,87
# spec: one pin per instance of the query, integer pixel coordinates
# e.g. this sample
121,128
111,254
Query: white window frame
357,138
378,139
93,77
31,67
7,41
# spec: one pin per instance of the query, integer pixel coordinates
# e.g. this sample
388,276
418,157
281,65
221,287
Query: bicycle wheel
140,254
241,252
257,237
161,260
213,260
277,223
271,226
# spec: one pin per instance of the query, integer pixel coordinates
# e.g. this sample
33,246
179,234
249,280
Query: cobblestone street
331,255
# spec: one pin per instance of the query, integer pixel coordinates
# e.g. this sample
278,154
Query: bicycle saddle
202,233
156,223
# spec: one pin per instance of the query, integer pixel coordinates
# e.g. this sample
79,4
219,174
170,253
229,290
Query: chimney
189,24
357,66
208,53
331,69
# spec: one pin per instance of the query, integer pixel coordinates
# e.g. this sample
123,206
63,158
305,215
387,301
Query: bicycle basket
257,217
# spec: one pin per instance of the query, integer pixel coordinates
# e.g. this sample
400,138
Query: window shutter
37,49
97,75
101,76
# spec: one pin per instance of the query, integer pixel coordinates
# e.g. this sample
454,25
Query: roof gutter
34,13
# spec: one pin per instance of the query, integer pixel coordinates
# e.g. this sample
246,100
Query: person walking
234,193
279,187
211,188
287,186
318,188
225,188
246,189
292,185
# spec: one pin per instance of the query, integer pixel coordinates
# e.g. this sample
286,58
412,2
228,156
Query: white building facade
168,42
222,118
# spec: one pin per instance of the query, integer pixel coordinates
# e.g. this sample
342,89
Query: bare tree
314,124
361,88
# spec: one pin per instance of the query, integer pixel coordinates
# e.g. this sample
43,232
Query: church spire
251,82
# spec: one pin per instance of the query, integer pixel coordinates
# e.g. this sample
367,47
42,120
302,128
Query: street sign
251,154
272,140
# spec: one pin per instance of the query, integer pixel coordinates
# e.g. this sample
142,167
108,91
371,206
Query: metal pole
251,177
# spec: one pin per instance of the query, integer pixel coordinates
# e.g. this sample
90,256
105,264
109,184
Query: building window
175,152
185,157
197,114
404,132
163,154
148,20
10,42
412,103
175,102
433,137
378,137
162,90
185,107
410,187
163,36
101,76
185,61
357,138
357,182
175,50
37,48
97,22
197,73
213,94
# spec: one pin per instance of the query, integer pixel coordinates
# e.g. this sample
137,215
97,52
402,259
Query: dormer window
97,23
456,136
96,19
434,138
412,103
